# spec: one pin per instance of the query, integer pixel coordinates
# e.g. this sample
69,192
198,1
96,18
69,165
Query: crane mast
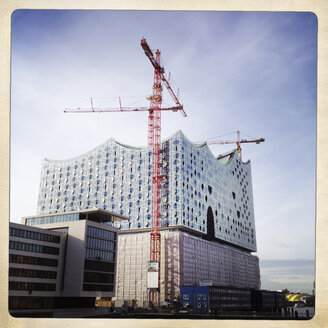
154,142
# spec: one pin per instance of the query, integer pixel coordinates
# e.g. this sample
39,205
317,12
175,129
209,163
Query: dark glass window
21,285
14,258
95,287
99,266
98,277
100,243
33,248
210,189
33,235
19,272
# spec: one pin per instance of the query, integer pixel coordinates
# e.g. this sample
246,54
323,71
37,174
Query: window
97,287
33,235
33,248
21,285
19,272
14,258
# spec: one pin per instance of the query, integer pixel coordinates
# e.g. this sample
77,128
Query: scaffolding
186,259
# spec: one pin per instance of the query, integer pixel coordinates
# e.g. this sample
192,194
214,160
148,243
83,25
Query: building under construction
191,215
207,224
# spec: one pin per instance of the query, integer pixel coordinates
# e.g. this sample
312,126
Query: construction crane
154,141
238,142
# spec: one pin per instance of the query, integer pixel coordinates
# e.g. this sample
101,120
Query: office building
62,260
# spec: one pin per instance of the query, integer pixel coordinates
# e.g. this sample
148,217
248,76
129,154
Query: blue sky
247,71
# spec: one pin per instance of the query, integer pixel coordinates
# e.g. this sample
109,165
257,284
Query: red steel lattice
154,142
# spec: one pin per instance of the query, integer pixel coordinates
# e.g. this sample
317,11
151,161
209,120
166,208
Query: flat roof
191,232
179,227
90,214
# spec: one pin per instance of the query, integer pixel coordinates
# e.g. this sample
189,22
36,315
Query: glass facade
198,191
99,266
20,272
34,235
100,244
31,260
26,247
65,229
101,233
99,255
21,285
53,219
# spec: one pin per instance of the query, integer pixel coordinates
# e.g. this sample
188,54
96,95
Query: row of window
19,272
89,178
96,254
34,235
53,219
232,305
30,286
99,266
101,233
129,197
76,166
100,243
107,163
98,277
33,248
228,298
228,291
97,287
31,260
64,229
96,197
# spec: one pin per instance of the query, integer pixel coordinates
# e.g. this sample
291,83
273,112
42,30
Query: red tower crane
154,141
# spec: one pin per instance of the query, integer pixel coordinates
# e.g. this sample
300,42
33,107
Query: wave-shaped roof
223,159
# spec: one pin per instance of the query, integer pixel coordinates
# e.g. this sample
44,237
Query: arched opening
210,224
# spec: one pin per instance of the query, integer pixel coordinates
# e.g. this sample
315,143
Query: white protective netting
185,259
